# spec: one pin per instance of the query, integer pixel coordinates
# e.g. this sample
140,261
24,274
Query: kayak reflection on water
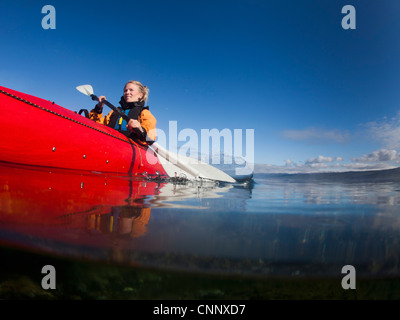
129,220
83,208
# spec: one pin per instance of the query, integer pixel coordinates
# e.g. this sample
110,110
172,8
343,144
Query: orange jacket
146,120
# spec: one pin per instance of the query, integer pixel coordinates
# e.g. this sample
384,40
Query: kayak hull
38,132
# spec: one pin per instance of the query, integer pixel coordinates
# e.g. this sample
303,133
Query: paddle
195,168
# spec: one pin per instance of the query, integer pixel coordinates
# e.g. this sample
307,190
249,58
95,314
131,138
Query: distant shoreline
386,175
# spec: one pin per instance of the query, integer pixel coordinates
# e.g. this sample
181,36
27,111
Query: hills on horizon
385,175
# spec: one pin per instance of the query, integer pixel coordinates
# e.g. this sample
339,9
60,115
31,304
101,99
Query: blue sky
317,96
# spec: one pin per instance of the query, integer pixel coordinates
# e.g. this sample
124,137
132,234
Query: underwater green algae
21,278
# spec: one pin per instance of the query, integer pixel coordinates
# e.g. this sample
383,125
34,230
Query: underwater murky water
274,226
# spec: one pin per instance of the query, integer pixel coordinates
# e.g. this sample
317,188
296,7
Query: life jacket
133,111
118,123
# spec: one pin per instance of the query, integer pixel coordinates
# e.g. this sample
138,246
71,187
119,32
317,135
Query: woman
142,124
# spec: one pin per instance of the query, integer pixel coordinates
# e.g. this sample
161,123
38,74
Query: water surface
272,226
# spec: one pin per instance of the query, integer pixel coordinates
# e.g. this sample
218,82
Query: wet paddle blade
195,168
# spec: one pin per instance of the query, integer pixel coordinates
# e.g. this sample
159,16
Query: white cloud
315,135
377,160
386,131
318,164
288,163
379,156
322,159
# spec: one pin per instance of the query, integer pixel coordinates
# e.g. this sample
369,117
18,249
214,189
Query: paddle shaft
123,115
207,171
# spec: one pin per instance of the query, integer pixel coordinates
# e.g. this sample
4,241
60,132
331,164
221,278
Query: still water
273,227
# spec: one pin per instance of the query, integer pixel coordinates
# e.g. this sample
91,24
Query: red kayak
37,132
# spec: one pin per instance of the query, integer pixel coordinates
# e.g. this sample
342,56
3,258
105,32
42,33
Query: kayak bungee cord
62,116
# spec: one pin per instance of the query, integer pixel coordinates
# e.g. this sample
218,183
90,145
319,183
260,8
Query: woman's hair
143,89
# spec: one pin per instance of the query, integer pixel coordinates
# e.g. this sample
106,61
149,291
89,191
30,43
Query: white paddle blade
212,173
175,172
193,167
86,89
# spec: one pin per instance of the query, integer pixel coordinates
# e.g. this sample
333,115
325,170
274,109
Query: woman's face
132,93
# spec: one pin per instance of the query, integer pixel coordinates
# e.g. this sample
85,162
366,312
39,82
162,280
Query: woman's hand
134,124
101,103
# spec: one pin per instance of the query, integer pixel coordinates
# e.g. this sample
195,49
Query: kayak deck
41,133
